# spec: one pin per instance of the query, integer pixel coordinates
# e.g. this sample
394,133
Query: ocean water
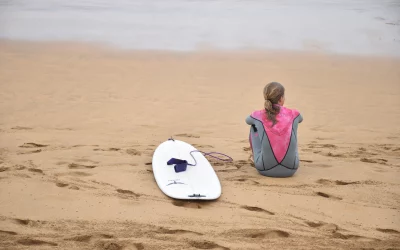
368,27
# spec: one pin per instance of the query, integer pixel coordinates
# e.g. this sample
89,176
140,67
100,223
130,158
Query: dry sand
79,125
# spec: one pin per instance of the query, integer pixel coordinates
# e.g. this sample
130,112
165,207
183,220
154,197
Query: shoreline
104,48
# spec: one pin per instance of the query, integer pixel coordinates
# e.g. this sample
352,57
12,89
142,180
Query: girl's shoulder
294,112
257,114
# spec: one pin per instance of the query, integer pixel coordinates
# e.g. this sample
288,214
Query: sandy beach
79,125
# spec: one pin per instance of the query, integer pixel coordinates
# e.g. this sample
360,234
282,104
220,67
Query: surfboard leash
211,154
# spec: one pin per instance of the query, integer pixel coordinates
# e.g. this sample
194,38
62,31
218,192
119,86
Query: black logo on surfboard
175,182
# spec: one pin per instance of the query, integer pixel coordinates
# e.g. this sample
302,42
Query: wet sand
79,125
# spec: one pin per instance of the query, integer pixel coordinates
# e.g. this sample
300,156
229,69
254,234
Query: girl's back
273,135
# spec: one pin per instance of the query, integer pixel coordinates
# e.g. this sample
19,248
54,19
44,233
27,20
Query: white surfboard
198,182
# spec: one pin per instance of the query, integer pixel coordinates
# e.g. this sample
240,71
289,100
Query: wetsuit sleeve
250,120
300,118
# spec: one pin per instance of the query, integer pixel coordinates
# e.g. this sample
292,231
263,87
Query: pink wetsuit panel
279,134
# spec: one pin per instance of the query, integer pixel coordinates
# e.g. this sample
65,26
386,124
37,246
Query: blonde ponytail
273,92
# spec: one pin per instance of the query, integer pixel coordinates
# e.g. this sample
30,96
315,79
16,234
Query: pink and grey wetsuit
275,147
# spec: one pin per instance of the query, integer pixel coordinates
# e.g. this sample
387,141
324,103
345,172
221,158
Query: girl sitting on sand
273,134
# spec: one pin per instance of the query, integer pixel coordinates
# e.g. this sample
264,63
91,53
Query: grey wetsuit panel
264,158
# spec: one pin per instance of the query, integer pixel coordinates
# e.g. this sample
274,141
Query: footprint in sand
206,245
7,232
60,184
87,238
132,151
19,167
85,160
188,135
77,173
80,145
61,163
237,164
33,145
162,230
107,149
344,183
106,236
325,195
25,222
35,170
241,163
21,128
329,227
333,228
217,163
201,146
79,166
240,179
23,175
109,245
361,149
257,209
226,170
330,154
389,231
258,233
34,242
314,224
80,238
128,192
271,234
379,161
30,152
139,246
187,204
380,170
3,169
246,149
331,146
338,235
337,182
103,183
